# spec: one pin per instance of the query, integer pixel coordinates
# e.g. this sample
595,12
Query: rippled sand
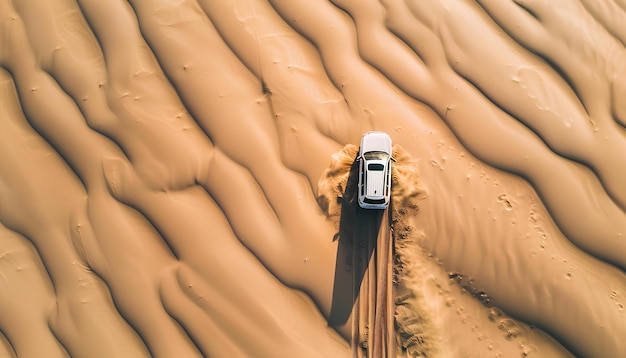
160,164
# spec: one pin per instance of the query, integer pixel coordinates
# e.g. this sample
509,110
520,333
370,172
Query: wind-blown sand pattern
160,165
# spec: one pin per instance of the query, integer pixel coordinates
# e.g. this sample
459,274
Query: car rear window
376,167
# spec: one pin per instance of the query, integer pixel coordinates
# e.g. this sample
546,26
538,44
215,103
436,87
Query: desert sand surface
170,174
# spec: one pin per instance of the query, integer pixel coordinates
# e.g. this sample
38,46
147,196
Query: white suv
374,170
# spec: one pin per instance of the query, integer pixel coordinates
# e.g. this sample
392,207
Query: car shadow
358,231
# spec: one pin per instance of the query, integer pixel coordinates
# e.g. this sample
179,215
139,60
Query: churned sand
174,178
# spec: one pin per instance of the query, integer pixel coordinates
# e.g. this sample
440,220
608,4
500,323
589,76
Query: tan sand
165,186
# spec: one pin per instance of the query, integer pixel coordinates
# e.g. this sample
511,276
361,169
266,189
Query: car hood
376,142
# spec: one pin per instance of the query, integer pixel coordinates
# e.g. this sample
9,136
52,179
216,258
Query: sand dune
169,173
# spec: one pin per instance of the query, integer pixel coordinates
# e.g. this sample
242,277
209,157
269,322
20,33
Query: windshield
376,155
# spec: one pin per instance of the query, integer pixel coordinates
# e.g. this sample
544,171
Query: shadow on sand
358,230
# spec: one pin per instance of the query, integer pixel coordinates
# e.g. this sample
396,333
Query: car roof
376,142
